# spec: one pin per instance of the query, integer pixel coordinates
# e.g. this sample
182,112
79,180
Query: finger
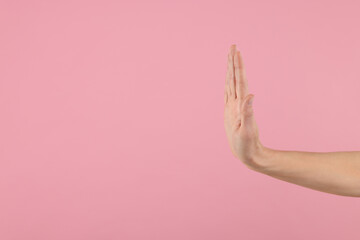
225,97
230,76
231,79
247,112
240,78
228,72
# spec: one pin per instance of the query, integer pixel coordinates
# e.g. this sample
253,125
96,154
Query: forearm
331,172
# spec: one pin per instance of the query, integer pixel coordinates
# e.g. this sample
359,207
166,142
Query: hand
240,126
330,172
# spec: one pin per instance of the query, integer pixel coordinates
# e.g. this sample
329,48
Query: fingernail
251,101
233,49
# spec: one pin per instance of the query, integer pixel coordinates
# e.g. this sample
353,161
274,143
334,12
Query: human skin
331,172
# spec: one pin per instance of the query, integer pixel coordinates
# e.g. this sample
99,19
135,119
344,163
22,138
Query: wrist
263,159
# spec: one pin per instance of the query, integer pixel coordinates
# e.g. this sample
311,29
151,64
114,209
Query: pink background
111,121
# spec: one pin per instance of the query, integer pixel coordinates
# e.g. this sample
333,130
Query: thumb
247,112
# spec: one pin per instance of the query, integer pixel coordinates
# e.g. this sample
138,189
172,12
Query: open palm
240,125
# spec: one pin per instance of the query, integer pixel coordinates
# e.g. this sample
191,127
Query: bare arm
331,172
